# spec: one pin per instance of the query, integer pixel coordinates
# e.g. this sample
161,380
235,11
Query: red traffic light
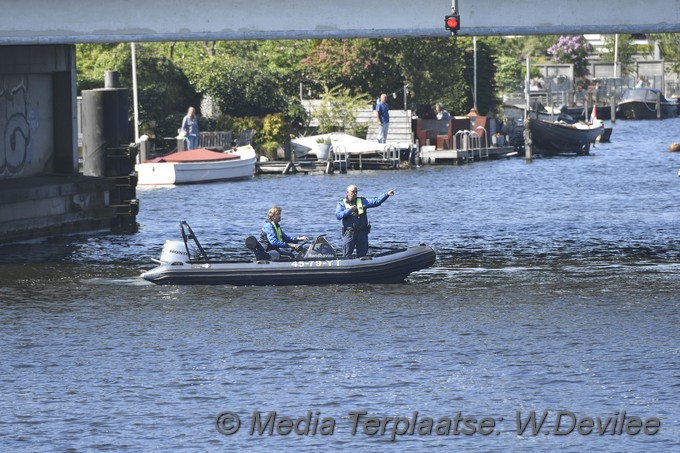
452,23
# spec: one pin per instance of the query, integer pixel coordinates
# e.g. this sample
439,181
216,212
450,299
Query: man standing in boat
355,226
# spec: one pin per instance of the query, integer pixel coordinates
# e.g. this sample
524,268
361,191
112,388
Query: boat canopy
643,95
194,155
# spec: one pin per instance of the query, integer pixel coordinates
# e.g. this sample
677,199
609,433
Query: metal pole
474,95
526,93
406,97
134,90
616,55
528,152
527,132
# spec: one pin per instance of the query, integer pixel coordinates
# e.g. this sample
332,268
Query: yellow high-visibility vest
360,205
277,230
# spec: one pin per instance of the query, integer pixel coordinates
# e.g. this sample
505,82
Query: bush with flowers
574,50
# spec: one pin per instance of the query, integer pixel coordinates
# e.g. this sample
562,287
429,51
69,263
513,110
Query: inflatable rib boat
186,263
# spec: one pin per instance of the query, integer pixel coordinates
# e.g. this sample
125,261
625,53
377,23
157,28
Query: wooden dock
429,155
278,167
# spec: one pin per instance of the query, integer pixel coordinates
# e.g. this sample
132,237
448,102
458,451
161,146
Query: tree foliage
574,50
624,52
248,79
363,65
89,75
337,110
164,92
669,45
239,87
485,77
433,68
509,74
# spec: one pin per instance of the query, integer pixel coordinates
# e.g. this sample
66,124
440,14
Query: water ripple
555,288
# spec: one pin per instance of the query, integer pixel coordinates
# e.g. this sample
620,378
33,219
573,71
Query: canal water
554,298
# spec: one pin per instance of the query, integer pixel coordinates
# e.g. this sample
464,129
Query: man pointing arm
351,210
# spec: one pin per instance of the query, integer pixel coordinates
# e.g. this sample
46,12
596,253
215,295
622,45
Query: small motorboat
645,103
198,166
186,263
558,138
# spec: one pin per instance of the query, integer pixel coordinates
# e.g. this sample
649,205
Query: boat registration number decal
326,263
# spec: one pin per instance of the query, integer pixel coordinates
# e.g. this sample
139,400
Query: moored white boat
352,145
198,166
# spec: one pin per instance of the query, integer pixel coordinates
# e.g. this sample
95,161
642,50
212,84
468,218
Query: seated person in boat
275,240
351,210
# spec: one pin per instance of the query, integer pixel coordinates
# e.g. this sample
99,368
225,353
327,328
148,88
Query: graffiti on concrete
15,133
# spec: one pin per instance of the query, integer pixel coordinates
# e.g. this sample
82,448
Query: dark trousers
358,240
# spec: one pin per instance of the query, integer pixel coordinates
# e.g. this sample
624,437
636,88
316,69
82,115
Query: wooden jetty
304,167
455,141
460,140
277,167
429,155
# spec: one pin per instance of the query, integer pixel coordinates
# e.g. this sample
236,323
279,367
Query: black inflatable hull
389,268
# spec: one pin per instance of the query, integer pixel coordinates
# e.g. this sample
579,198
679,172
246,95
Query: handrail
462,137
481,148
471,142
391,153
340,157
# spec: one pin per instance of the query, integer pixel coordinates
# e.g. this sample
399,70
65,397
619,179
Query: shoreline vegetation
260,85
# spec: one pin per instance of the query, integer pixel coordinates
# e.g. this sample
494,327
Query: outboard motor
174,252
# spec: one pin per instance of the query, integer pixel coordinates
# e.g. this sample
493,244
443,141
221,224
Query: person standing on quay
190,129
355,227
382,113
441,113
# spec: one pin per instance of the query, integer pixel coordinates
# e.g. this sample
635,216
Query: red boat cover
194,155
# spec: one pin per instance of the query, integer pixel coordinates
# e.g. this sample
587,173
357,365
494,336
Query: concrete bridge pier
41,191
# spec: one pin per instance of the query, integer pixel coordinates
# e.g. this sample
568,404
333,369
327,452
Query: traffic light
452,23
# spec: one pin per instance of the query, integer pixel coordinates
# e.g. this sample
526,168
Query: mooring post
612,106
585,110
658,106
527,140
